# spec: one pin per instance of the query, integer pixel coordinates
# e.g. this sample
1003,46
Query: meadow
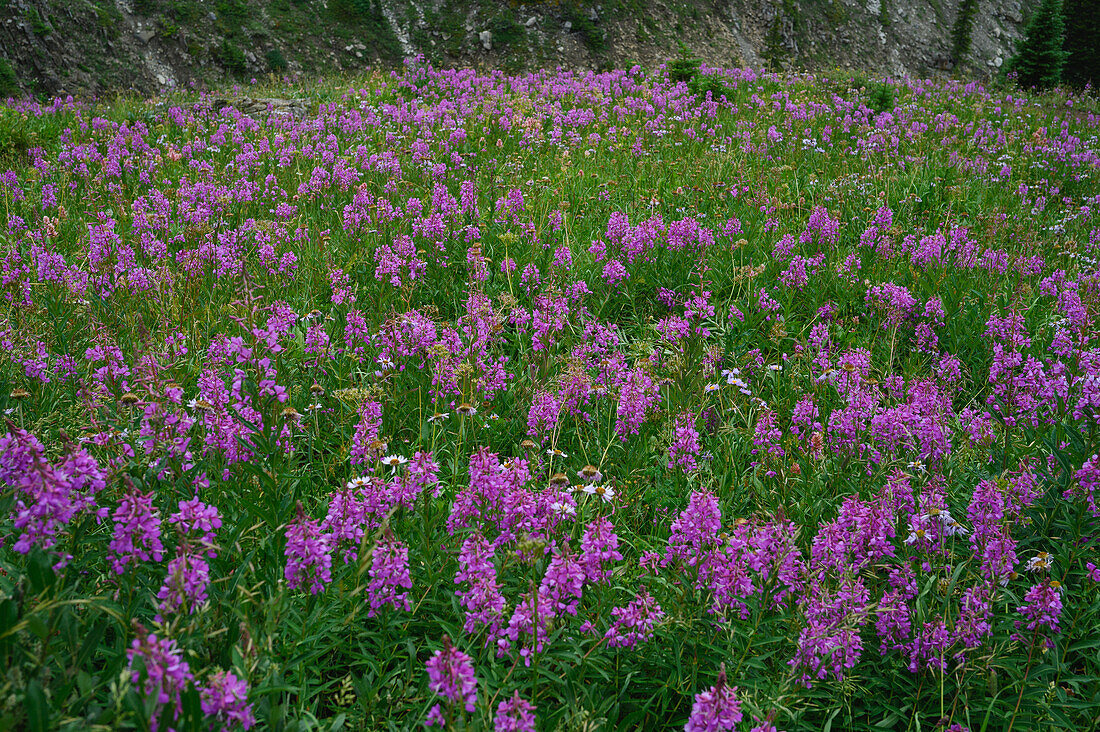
555,401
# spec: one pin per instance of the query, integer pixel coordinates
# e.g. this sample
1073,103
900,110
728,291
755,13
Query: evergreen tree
962,30
1040,58
1082,43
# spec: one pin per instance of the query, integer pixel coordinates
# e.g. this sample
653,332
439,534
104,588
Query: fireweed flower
194,516
685,445
563,583
451,677
1042,608
308,554
694,533
634,623
599,545
716,709
514,715
185,585
389,570
482,599
225,698
47,495
165,673
137,532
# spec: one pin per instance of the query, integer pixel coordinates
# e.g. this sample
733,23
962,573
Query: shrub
1040,58
881,98
506,31
231,57
593,36
702,84
276,61
369,22
684,67
9,82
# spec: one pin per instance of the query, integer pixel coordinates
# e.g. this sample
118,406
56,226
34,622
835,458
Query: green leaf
38,708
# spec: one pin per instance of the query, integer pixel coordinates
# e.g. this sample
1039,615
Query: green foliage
167,28
773,43
232,15
365,20
146,7
593,36
684,67
880,98
9,82
506,30
39,25
1081,45
962,30
1040,58
14,139
703,84
184,11
276,61
231,57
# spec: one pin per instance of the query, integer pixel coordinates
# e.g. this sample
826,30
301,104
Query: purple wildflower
225,698
166,673
514,715
389,570
716,709
634,623
137,532
308,554
451,676
185,584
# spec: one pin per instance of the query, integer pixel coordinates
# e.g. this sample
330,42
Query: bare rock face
90,48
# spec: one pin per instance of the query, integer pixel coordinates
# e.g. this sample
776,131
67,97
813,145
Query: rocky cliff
50,47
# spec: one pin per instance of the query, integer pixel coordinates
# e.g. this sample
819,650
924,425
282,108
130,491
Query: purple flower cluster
451,677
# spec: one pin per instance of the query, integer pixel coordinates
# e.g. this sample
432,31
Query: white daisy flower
1040,562
606,492
916,535
394,461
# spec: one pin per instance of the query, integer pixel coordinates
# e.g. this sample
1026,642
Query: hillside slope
94,46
